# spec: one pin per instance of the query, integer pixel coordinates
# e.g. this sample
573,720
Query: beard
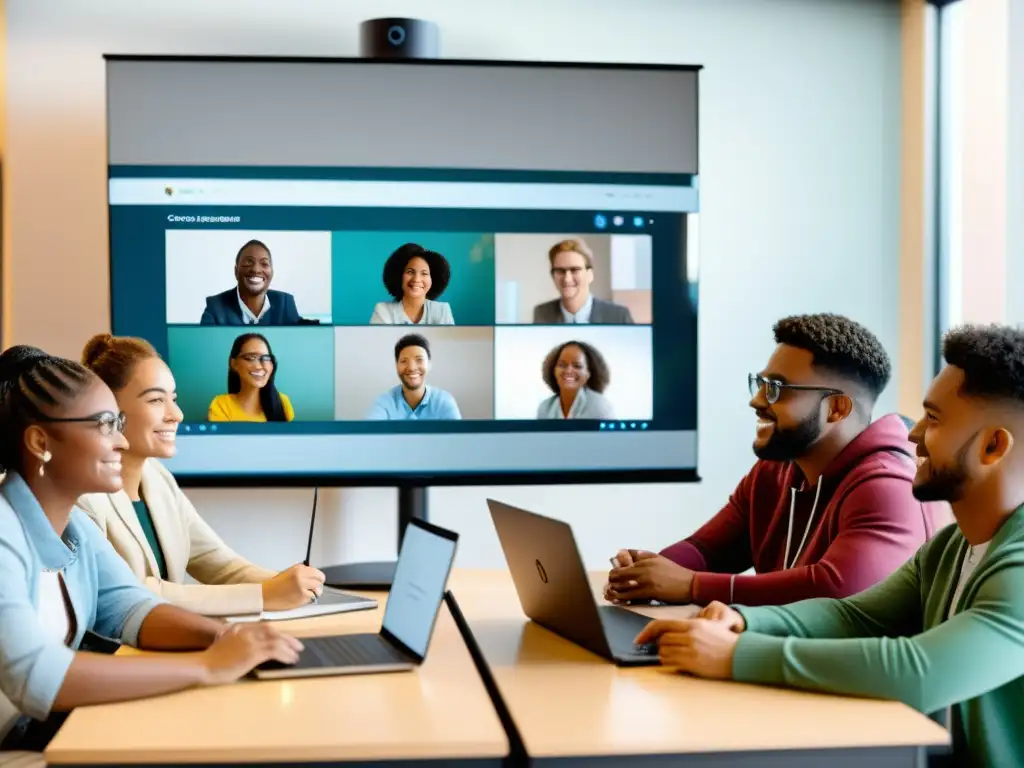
790,443
946,483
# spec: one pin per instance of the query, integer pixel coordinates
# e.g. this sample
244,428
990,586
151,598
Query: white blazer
228,584
391,313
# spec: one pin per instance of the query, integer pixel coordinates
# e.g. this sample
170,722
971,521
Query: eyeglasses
254,358
563,271
773,388
107,421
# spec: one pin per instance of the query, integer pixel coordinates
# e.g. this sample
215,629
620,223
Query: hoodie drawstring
786,564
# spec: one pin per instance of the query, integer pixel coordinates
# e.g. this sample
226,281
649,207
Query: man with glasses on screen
572,270
828,508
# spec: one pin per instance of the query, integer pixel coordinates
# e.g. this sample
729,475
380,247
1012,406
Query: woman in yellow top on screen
252,395
414,277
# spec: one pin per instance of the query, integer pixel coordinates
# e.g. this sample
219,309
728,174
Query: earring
44,458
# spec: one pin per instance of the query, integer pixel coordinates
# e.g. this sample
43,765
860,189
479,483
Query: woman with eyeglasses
252,394
577,374
151,523
60,438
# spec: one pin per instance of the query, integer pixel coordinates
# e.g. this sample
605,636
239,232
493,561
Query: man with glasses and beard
826,511
946,629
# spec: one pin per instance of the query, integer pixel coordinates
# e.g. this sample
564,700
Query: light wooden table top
569,702
439,711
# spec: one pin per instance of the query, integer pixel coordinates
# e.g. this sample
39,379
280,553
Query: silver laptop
555,591
417,590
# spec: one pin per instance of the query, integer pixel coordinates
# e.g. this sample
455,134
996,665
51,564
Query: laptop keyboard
621,627
344,651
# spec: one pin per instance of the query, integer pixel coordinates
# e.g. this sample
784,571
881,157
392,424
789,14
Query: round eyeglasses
773,388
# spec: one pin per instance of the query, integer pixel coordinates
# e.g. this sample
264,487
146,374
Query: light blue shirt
105,595
436,404
583,316
587,404
248,318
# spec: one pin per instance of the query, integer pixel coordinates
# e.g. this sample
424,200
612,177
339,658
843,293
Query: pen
614,561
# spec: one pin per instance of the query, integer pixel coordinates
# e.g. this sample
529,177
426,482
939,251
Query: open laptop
555,591
417,590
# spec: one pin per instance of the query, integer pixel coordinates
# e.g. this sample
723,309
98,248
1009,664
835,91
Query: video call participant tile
253,374
406,373
578,372
413,278
237,277
572,279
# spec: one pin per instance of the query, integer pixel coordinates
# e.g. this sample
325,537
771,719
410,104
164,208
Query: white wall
1015,168
799,150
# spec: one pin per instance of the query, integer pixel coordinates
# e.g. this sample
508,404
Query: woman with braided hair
60,438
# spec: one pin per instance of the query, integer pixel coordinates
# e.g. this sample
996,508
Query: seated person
252,394
412,398
947,628
415,278
577,374
60,438
572,269
151,523
827,510
251,302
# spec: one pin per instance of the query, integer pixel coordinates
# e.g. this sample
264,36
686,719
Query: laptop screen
418,587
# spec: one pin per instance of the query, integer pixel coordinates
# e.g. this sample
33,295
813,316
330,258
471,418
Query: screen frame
291,480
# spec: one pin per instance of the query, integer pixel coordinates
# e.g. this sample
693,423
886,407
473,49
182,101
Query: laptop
414,601
555,591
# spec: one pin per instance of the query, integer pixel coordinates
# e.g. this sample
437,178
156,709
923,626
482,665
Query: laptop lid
417,589
549,576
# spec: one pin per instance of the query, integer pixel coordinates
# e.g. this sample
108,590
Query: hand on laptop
242,647
700,647
716,611
644,576
297,586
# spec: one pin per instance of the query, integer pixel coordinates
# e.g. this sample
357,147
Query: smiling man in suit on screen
250,301
572,269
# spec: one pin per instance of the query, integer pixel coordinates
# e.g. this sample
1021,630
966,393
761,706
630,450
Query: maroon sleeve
880,528
723,542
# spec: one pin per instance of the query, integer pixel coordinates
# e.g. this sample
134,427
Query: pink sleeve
880,528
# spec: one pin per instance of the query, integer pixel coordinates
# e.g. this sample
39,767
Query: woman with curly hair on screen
415,278
577,373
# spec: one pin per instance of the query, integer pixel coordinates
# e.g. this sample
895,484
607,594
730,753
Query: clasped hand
643,576
703,646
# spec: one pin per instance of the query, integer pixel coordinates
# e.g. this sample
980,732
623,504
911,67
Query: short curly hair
394,268
411,340
841,346
600,374
992,359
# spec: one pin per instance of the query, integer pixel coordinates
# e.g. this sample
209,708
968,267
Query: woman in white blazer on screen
151,523
415,278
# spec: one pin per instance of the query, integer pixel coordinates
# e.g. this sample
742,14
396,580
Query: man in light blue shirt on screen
413,399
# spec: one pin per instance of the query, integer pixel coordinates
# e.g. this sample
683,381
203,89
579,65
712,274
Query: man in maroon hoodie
827,510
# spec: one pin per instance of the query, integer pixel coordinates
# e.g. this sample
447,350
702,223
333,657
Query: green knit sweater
894,641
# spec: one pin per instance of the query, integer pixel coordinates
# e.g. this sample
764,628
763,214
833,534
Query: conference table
566,707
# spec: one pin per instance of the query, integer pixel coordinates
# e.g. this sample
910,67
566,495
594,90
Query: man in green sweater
947,628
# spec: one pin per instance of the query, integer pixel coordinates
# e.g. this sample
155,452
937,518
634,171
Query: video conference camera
398,38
